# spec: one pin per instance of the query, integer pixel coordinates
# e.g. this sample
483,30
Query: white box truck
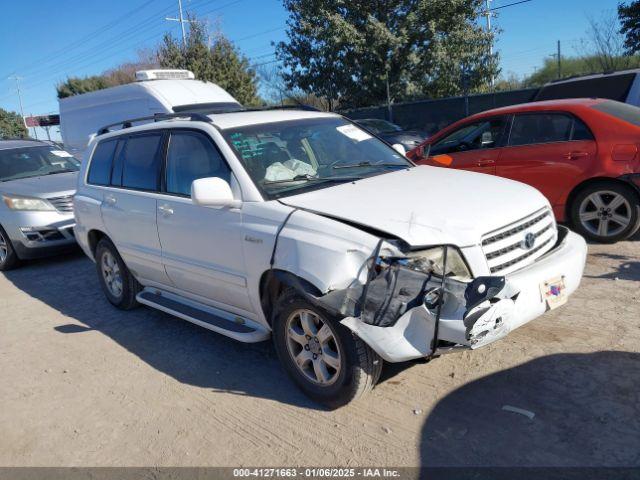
155,91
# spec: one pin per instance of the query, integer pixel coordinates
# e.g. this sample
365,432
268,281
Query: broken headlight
431,261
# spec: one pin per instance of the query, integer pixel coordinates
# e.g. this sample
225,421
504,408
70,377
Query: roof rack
199,116
157,117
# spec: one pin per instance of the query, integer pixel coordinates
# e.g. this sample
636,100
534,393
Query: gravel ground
84,384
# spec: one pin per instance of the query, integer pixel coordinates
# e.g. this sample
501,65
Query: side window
190,156
473,136
100,167
141,162
580,131
540,128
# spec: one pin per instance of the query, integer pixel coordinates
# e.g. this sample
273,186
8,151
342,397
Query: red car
582,154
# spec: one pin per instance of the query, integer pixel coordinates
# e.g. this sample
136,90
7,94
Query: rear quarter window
100,165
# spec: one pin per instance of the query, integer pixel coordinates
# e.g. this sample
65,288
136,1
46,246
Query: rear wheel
118,284
8,257
606,212
325,359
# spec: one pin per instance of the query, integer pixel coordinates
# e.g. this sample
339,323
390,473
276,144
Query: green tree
120,75
629,16
12,125
346,51
221,63
572,67
78,85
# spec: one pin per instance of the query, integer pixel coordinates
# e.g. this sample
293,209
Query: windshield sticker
61,153
354,133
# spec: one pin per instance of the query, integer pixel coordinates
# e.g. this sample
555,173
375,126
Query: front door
201,246
474,146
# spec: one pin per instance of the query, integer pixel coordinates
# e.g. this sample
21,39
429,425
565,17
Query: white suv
303,226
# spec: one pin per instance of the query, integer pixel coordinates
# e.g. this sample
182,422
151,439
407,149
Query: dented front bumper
469,319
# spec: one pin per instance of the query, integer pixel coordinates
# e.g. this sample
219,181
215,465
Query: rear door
547,150
474,146
129,204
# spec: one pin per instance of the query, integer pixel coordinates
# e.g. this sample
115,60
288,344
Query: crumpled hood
46,186
427,205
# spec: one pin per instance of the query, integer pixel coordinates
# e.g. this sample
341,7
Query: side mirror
398,147
213,192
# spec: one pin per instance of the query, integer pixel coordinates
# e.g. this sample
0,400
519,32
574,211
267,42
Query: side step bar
220,321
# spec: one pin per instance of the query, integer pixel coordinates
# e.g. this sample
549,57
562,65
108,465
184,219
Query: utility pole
559,62
488,14
558,57
182,22
17,79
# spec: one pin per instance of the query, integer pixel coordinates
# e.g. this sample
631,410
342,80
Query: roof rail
199,116
157,117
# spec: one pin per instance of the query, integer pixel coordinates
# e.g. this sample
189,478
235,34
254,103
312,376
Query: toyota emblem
529,241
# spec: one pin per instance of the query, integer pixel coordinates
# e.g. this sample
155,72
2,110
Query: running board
211,318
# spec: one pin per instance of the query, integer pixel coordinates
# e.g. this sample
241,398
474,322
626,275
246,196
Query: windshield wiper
66,170
309,178
367,164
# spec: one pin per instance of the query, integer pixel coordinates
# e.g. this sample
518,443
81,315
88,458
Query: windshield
286,158
26,162
379,126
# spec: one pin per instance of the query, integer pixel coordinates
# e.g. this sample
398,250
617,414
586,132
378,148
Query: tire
606,212
358,366
8,256
117,282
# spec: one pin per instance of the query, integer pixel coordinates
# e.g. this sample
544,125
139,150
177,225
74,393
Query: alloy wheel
313,346
111,274
605,213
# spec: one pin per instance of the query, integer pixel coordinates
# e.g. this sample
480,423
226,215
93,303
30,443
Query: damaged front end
412,303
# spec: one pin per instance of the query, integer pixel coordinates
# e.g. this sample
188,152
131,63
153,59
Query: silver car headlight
431,261
27,203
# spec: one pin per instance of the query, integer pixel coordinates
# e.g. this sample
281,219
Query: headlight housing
27,204
431,261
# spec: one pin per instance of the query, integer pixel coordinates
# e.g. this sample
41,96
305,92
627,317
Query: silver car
37,184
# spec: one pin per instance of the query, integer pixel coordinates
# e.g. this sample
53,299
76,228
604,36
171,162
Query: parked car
582,154
37,183
301,225
155,91
622,86
392,133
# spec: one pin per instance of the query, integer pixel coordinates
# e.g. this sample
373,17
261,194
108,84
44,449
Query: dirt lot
83,384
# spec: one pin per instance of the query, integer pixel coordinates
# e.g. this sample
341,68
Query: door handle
110,200
166,210
575,155
486,161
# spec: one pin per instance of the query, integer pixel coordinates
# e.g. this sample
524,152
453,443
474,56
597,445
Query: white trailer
155,91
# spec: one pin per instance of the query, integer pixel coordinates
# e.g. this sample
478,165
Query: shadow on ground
586,406
186,352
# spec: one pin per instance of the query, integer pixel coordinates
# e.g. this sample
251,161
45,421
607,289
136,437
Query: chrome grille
62,204
505,248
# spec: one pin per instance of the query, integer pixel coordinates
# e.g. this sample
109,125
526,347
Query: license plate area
554,292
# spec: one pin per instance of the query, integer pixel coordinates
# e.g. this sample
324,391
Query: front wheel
8,257
606,212
325,359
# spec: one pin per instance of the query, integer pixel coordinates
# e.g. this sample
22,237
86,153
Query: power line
510,5
83,40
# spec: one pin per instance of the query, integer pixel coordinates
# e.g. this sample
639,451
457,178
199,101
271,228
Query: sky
44,41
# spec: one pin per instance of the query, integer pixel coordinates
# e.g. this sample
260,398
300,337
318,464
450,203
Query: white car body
216,259
82,115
